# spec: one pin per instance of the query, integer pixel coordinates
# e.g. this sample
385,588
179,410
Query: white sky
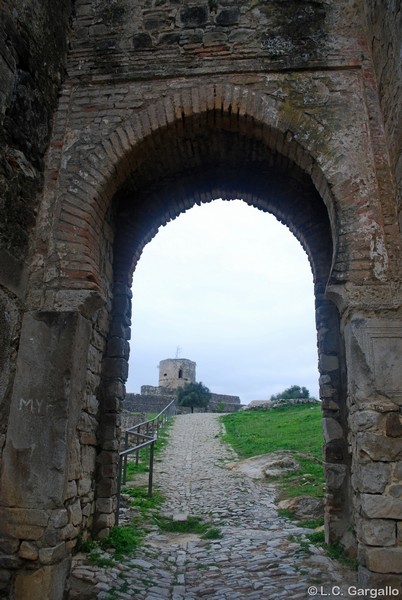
232,287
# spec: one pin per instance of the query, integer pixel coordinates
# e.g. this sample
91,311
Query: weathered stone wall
157,402
152,390
224,403
31,69
385,34
129,419
147,404
153,38
32,66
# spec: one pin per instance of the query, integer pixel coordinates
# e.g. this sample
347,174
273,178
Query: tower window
180,373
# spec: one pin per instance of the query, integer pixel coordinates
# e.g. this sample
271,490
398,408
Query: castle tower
176,372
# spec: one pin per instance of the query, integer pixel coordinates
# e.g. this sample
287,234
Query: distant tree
193,395
294,391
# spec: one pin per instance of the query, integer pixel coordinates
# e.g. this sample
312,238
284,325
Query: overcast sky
232,289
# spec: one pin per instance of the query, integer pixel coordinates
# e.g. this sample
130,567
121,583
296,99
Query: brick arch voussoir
250,112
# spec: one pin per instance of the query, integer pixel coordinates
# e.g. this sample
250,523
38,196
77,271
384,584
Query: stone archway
112,199
232,163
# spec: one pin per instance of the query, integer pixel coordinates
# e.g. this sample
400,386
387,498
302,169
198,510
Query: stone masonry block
370,580
84,486
88,456
112,444
52,537
113,389
28,551
116,368
75,513
71,490
87,510
393,426
379,447
92,405
59,518
47,582
118,347
49,556
372,477
107,488
335,475
69,532
381,507
8,545
34,466
194,16
228,16
329,362
395,490
107,458
104,505
109,471
399,533
332,430
87,423
106,520
364,420
384,560
377,532
27,532
22,516
141,41
88,439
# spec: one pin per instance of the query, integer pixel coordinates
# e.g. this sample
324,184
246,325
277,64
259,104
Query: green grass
120,542
140,499
192,524
317,538
307,523
294,428
308,481
123,540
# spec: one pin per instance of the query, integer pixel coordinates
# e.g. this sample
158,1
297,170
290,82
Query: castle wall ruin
115,118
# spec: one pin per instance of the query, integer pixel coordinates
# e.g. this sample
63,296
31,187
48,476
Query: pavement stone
254,559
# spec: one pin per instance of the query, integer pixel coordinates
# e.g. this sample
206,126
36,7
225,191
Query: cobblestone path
258,557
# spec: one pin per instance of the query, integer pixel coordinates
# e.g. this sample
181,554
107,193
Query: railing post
118,489
137,452
151,469
125,458
147,432
152,426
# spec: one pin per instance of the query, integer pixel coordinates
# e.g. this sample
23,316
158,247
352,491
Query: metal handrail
149,438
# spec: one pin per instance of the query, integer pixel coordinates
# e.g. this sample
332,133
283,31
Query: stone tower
176,372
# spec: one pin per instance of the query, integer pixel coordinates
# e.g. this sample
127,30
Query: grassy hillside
294,428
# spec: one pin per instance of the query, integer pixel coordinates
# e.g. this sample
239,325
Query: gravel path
258,557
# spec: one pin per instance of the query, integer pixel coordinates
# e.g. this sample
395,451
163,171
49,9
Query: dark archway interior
182,166
194,162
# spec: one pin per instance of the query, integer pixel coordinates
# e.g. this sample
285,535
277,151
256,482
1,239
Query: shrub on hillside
292,393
